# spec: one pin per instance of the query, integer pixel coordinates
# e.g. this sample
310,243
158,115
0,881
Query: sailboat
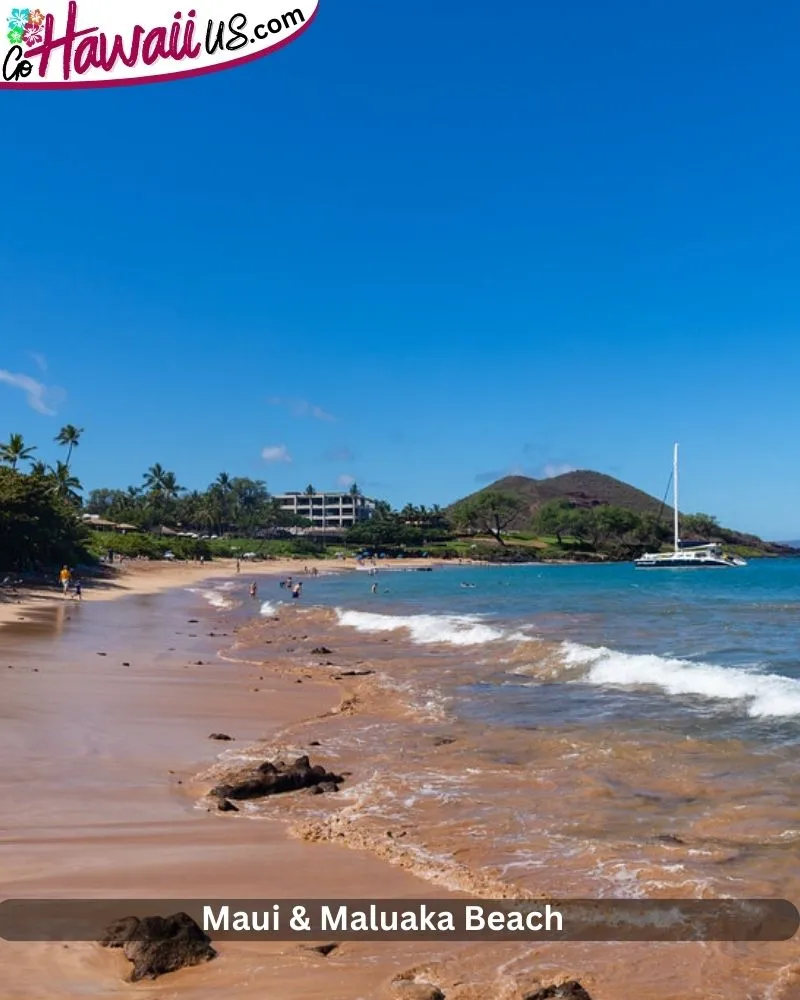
694,557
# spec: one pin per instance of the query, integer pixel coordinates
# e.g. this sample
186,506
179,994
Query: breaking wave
765,695
453,630
213,597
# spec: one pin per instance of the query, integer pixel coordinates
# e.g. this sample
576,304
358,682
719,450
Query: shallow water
715,651
575,731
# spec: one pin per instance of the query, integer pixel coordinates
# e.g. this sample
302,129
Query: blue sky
422,247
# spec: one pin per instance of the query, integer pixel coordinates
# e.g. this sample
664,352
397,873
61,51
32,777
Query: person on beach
238,566
64,578
77,593
296,590
253,590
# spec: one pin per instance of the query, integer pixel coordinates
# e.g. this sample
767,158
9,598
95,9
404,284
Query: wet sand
107,767
99,758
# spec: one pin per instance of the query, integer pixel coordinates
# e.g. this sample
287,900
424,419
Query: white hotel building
328,510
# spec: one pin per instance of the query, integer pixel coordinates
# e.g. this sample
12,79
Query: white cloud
39,396
550,471
301,408
39,360
276,453
344,481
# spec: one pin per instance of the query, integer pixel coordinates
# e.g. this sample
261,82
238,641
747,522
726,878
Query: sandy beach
153,577
107,709
106,714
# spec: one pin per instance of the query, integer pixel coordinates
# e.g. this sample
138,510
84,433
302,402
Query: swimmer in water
253,590
374,588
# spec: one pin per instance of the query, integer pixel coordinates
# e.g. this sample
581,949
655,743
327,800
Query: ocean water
706,651
586,731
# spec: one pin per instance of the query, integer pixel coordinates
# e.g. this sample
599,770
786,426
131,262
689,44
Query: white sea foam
454,630
764,695
213,597
268,609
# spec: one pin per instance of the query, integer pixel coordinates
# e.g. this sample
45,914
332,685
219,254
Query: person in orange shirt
64,577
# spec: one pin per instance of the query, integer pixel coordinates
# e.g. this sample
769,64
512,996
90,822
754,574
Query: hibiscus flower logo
19,18
33,34
25,26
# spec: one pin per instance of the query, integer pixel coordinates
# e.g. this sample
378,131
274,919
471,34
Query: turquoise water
706,651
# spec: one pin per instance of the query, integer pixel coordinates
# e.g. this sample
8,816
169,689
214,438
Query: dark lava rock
158,945
227,807
102,654
192,621
125,663
220,736
274,779
321,949
324,786
313,743
669,838
443,741
321,651
567,991
353,673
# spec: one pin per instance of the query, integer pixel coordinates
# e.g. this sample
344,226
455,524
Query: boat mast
675,494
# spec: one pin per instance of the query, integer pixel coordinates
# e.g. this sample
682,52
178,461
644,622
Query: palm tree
39,469
15,451
154,478
65,485
310,491
355,490
169,486
69,436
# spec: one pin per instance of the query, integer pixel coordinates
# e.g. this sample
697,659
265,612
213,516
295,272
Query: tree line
41,504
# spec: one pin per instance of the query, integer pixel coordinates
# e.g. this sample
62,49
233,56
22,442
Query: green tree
64,484
490,512
69,437
553,518
310,491
38,529
15,451
704,525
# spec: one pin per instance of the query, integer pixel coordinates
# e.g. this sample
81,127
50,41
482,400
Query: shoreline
352,710
154,577
147,837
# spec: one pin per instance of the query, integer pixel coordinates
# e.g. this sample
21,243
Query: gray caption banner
398,919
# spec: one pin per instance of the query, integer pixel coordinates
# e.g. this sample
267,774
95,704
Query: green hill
581,488
586,489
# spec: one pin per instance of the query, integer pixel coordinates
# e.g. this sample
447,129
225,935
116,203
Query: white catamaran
695,557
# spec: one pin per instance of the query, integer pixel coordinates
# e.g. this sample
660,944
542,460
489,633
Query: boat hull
685,564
